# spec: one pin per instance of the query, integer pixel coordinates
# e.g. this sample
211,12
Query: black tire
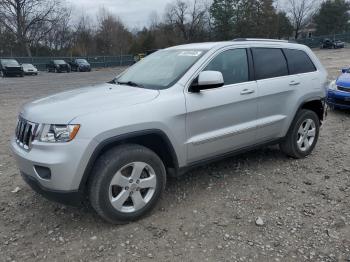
289,145
104,170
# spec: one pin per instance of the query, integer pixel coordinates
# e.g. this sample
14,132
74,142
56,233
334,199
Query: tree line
46,28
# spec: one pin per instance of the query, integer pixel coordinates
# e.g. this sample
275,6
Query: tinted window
298,62
269,63
233,64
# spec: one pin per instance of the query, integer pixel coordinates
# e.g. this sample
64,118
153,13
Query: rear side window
269,63
298,62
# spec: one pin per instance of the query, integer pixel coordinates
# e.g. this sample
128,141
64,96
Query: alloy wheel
132,187
306,134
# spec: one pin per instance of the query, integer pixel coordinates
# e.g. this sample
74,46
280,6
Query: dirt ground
208,215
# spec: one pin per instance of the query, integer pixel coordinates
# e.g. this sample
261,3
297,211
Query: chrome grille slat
25,133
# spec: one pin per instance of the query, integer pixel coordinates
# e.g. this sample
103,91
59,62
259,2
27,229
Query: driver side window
233,64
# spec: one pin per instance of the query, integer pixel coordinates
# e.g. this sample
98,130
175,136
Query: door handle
294,83
247,91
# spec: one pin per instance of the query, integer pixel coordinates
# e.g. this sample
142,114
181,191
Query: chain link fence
94,61
314,42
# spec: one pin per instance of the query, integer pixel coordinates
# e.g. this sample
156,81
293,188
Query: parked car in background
29,69
339,91
329,44
80,65
115,144
58,66
10,67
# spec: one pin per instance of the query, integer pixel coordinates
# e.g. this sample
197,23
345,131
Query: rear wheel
302,135
126,183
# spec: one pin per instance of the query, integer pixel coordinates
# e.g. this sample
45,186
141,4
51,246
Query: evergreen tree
223,13
333,17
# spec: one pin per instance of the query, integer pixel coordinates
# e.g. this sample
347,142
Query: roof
248,42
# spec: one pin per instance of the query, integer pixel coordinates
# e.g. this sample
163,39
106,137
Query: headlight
58,133
332,85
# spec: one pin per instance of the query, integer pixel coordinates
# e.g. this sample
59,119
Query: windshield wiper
129,83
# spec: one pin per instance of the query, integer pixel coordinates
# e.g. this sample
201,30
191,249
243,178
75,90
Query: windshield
59,62
81,61
9,62
161,69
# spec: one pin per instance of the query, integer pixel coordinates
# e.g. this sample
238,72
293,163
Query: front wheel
303,134
126,183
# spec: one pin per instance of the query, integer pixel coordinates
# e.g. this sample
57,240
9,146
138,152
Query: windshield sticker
190,53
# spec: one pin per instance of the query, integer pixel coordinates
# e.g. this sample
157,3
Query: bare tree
112,37
28,18
188,17
84,37
300,11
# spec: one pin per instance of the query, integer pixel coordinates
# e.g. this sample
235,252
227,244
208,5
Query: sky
134,13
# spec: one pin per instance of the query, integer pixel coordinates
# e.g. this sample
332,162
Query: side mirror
207,80
345,70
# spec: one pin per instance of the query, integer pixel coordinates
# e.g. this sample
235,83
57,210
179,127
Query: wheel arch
154,139
316,104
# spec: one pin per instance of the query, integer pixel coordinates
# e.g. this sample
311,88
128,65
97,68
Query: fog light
43,172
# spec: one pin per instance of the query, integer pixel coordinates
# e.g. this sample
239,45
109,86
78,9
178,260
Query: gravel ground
303,206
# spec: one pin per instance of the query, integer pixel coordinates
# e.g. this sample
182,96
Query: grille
344,89
25,133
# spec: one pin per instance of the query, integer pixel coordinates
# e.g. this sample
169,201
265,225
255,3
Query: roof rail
260,39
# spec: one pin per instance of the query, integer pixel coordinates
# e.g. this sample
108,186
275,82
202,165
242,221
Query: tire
305,124
2,74
124,159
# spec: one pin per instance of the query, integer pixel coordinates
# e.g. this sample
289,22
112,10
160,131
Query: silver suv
115,144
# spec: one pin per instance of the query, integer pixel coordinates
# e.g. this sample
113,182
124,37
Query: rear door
276,89
299,63
223,119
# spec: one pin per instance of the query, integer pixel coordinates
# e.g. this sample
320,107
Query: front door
223,119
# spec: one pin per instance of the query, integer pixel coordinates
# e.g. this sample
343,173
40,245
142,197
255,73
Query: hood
64,107
344,80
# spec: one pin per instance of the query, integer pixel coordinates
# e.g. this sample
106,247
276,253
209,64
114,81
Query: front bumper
72,198
66,162
84,68
338,99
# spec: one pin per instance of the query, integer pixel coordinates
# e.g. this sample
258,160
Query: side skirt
190,166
